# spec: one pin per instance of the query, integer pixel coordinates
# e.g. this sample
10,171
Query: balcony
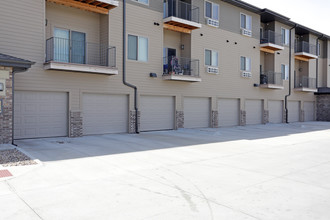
181,69
305,51
80,56
181,16
271,42
271,80
305,84
97,6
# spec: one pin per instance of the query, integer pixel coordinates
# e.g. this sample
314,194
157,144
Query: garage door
275,111
229,112
104,114
157,113
253,110
293,108
40,114
309,111
196,112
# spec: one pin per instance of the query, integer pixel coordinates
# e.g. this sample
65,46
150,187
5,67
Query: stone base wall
76,124
179,119
265,118
6,97
132,122
242,118
323,107
302,116
215,119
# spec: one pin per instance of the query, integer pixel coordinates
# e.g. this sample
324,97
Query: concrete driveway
255,172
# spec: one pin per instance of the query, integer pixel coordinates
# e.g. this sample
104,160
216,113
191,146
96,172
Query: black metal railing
270,77
80,52
181,9
305,82
303,46
271,37
173,65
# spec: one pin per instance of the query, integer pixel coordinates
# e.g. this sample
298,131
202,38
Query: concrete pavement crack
14,191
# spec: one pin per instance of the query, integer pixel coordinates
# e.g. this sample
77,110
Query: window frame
246,59
246,16
212,51
285,75
212,3
137,48
139,1
286,38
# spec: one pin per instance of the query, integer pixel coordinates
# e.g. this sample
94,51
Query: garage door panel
40,114
157,113
253,110
105,113
309,111
228,111
275,111
196,112
293,108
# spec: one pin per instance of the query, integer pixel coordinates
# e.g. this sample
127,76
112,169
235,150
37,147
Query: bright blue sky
314,14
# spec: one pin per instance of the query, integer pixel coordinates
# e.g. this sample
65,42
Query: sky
314,14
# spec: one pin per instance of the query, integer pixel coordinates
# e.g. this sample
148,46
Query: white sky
314,14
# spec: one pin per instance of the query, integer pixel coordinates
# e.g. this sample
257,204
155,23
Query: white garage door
157,113
105,114
275,111
253,110
40,114
293,108
229,111
309,111
196,112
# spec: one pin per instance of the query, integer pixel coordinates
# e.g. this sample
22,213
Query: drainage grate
5,173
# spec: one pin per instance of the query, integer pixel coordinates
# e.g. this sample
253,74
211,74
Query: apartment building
194,64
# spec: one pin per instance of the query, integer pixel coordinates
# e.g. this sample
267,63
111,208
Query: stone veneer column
179,119
132,121
302,115
265,118
242,118
215,119
76,124
323,107
6,114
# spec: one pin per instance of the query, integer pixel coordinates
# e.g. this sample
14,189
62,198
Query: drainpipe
290,58
317,60
124,69
12,106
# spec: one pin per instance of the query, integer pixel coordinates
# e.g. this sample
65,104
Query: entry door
168,53
69,49
61,45
78,41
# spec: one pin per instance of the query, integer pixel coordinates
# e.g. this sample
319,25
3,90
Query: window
211,10
137,48
285,36
246,22
142,1
69,46
285,71
211,58
245,64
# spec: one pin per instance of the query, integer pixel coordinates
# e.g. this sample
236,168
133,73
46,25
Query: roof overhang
97,6
18,65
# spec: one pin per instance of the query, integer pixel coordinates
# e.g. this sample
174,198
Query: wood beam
266,50
176,28
301,58
80,5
